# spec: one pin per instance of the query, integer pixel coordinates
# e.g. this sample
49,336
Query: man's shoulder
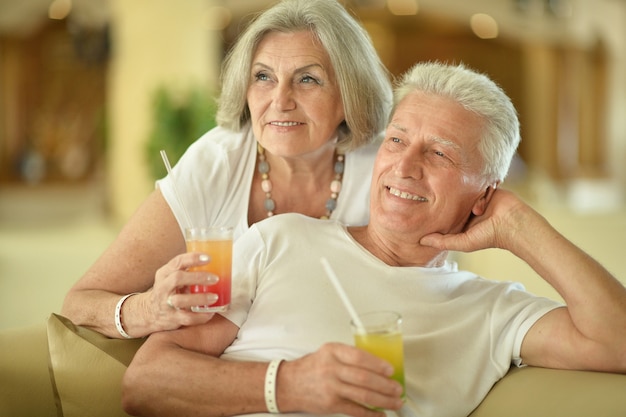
289,225
288,220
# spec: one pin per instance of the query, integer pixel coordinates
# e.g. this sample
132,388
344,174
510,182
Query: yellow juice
220,252
387,346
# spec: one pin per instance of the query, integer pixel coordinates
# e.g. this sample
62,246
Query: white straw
342,294
180,202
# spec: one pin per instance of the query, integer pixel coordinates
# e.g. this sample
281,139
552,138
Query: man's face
427,175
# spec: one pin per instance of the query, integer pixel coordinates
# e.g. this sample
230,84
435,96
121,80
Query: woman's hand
169,301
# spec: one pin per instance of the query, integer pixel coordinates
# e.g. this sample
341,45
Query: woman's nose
283,97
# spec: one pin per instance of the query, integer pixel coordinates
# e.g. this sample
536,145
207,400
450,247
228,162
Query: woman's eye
396,140
307,79
261,76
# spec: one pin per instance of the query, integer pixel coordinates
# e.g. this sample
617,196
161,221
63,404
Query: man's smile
405,195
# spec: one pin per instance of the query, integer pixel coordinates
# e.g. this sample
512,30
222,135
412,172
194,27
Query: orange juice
218,244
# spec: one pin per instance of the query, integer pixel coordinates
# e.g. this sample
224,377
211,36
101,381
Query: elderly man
446,150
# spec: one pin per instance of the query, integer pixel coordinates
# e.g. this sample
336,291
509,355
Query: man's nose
410,164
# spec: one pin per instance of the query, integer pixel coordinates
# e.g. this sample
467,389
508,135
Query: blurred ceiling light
59,9
402,7
484,26
217,18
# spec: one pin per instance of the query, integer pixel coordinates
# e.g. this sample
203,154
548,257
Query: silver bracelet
118,316
270,386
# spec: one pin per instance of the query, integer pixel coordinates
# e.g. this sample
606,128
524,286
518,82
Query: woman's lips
284,124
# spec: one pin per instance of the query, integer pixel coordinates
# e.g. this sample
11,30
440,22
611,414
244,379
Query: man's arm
591,332
178,373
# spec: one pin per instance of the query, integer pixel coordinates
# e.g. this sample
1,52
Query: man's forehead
432,138
398,126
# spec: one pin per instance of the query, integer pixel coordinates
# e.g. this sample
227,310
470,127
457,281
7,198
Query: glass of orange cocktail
217,242
381,335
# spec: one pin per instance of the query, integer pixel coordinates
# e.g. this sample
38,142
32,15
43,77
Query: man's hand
505,216
338,379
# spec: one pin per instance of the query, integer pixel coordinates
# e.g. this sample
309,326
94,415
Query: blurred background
90,90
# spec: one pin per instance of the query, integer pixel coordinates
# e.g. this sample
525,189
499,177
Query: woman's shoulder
367,151
223,138
362,157
219,148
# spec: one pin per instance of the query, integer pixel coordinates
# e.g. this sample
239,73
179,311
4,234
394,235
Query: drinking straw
342,294
180,202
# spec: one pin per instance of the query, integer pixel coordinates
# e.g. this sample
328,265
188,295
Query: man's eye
396,140
439,153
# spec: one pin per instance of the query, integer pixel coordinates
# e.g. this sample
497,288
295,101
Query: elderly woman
304,97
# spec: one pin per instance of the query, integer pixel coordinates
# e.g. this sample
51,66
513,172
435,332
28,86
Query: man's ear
483,201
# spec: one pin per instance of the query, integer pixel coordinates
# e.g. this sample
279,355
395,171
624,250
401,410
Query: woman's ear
483,201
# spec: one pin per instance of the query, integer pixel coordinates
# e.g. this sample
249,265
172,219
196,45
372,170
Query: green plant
179,120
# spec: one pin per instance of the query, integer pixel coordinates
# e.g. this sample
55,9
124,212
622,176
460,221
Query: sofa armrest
86,369
531,391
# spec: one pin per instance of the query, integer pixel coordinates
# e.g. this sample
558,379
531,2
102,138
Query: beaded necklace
266,185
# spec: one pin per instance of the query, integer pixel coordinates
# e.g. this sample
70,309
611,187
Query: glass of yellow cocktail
381,335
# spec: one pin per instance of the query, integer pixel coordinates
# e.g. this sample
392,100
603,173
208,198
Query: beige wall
155,42
602,235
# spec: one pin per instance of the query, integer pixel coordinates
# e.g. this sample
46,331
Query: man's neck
395,251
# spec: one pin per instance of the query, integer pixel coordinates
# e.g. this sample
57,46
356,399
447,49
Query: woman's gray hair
363,80
479,94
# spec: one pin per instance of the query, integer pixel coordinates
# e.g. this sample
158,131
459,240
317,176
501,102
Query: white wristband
118,316
270,386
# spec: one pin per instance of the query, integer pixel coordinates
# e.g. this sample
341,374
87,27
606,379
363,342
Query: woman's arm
150,240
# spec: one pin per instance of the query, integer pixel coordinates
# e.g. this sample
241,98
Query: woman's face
293,97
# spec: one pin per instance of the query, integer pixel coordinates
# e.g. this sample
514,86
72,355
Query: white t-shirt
461,332
214,176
